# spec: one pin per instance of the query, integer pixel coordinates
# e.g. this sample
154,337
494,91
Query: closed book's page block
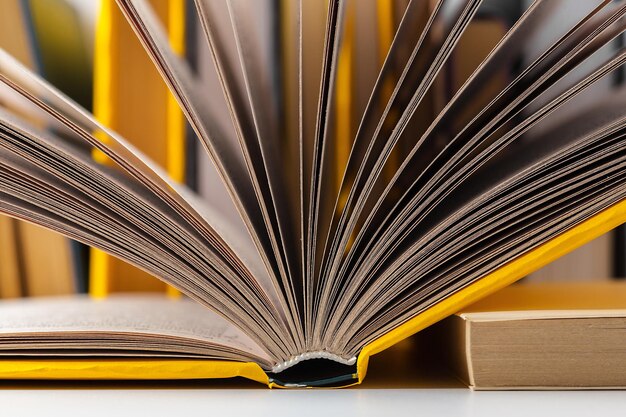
564,335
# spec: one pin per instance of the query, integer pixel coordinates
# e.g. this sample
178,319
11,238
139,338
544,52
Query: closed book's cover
131,98
562,299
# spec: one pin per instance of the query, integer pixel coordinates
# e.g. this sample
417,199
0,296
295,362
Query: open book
305,260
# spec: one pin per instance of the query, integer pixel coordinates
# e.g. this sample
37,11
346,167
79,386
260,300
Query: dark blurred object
61,48
619,256
510,10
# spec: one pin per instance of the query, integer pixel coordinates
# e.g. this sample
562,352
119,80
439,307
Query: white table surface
211,400
399,383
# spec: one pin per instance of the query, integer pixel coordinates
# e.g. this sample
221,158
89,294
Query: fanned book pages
360,196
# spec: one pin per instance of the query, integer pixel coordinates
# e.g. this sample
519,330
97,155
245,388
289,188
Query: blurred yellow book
131,98
11,284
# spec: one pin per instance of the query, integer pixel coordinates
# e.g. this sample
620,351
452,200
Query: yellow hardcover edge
507,274
129,369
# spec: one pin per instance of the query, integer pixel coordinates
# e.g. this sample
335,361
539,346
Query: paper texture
62,320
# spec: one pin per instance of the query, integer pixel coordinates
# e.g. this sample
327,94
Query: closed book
541,336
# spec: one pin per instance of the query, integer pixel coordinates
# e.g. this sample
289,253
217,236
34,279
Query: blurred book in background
131,98
44,36
11,283
593,261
